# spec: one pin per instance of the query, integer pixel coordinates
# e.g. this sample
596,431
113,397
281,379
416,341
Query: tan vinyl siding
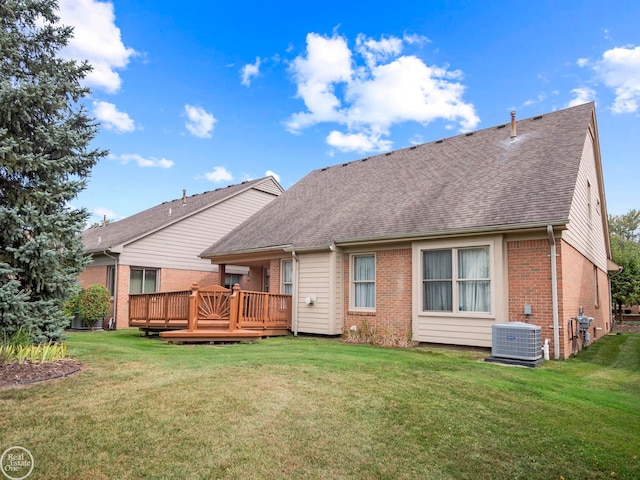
337,304
269,186
454,331
313,281
585,230
179,245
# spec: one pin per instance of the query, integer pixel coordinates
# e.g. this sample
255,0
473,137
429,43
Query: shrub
94,304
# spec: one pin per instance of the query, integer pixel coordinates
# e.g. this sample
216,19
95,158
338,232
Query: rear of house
157,250
440,241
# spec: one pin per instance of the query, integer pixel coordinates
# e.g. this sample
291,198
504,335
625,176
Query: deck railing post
235,305
193,307
265,310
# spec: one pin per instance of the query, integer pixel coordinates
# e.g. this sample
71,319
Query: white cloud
533,101
582,62
619,69
249,71
104,212
200,123
368,99
219,174
358,142
582,95
111,118
144,162
375,51
415,39
96,38
272,174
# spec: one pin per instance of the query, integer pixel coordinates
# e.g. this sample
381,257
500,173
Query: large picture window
364,281
143,280
456,280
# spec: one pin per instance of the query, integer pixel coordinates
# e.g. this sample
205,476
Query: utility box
584,322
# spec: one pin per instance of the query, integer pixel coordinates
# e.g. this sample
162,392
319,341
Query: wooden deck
211,314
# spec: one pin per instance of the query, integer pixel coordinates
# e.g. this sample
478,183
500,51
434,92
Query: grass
318,408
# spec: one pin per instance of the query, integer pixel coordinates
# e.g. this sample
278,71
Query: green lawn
317,408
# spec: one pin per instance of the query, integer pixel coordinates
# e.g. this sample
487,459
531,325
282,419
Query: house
442,240
157,249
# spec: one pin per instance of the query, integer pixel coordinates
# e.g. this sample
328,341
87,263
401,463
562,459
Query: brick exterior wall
393,294
274,281
172,279
529,280
580,273
253,281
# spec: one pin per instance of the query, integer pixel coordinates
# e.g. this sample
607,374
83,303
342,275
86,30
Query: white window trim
418,248
352,296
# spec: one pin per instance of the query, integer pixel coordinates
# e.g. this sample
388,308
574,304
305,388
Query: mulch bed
16,374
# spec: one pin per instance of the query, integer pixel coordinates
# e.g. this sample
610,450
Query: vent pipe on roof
104,220
513,124
184,197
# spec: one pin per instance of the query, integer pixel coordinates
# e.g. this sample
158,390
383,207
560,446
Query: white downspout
115,287
554,294
294,300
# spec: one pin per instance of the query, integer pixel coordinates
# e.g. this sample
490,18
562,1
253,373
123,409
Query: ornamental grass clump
18,348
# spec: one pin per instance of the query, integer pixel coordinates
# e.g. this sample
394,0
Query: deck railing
210,307
159,310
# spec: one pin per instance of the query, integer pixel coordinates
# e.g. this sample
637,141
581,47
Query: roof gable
116,234
468,182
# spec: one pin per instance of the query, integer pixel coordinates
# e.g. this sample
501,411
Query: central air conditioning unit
516,340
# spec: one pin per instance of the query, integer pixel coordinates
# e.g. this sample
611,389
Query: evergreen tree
45,159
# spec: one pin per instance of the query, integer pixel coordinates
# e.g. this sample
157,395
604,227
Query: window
456,280
231,279
143,280
267,280
287,277
596,286
363,269
111,279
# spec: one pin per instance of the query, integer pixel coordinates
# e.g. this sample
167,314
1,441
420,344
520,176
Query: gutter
449,233
115,286
554,294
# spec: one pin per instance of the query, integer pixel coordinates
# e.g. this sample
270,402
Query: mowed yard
318,408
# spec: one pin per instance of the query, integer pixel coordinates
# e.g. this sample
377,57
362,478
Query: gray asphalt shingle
467,182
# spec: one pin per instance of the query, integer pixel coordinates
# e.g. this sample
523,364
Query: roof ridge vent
468,134
538,117
388,153
440,141
413,147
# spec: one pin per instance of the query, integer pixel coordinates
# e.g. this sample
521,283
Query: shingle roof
463,183
113,234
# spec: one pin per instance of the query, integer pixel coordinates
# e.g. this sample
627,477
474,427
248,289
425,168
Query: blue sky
201,94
